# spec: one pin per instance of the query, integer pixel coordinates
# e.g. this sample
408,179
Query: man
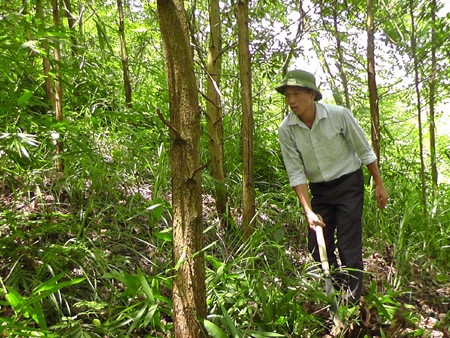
324,145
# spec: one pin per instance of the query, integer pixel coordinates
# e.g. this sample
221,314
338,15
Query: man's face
299,99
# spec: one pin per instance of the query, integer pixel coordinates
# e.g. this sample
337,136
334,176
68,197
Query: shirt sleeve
357,138
292,157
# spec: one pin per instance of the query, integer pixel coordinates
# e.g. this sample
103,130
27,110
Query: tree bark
373,92
248,184
189,294
124,56
214,111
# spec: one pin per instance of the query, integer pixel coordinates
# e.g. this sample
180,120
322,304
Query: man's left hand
381,195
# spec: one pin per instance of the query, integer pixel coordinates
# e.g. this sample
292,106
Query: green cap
299,78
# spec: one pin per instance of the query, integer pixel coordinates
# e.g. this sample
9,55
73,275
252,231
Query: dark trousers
340,203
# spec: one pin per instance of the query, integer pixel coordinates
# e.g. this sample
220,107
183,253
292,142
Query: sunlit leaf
214,330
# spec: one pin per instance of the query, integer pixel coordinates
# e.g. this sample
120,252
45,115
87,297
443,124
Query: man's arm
302,192
380,191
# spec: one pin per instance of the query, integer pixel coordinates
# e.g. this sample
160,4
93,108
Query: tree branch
162,118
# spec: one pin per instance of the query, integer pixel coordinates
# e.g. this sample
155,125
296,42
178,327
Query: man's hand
380,191
314,220
381,195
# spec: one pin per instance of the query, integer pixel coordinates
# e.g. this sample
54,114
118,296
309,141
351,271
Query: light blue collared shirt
334,146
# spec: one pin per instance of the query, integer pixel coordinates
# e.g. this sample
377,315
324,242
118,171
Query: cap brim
282,88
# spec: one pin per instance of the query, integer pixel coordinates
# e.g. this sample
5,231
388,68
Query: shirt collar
321,113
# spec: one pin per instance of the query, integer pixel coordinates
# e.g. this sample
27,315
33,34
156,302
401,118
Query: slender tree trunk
248,184
81,9
71,22
46,66
337,93
434,171
189,293
297,39
373,92
57,103
25,11
340,55
124,55
419,103
214,111
291,54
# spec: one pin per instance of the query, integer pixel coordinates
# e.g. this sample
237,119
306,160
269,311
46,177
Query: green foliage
30,307
259,292
87,252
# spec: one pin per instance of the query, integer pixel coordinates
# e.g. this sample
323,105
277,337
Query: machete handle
322,250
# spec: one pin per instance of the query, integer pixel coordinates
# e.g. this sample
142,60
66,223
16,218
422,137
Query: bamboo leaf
150,314
138,317
230,323
256,334
214,330
147,290
48,288
25,97
165,235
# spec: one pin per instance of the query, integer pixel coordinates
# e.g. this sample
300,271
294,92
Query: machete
338,324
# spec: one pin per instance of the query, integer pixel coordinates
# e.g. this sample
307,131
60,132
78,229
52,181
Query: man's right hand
315,220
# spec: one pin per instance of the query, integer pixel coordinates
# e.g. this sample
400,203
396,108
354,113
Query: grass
88,253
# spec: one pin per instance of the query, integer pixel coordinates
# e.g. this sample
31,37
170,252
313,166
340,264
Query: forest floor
425,305
424,302
424,309
423,298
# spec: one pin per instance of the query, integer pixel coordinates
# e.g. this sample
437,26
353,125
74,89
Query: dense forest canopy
87,140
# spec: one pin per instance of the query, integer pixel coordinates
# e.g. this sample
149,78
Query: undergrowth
87,253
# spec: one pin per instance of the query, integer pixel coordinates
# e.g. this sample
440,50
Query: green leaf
18,303
214,261
165,235
256,334
38,315
138,317
25,97
213,330
14,298
24,151
150,314
230,323
48,289
158,208
147,290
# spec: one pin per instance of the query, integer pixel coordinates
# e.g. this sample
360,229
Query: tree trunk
248,184
419,104
214,111
434,171
57,103
293,47
340,54
189,294
297,39
373,92
71,22
124,55
46,67
337,93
